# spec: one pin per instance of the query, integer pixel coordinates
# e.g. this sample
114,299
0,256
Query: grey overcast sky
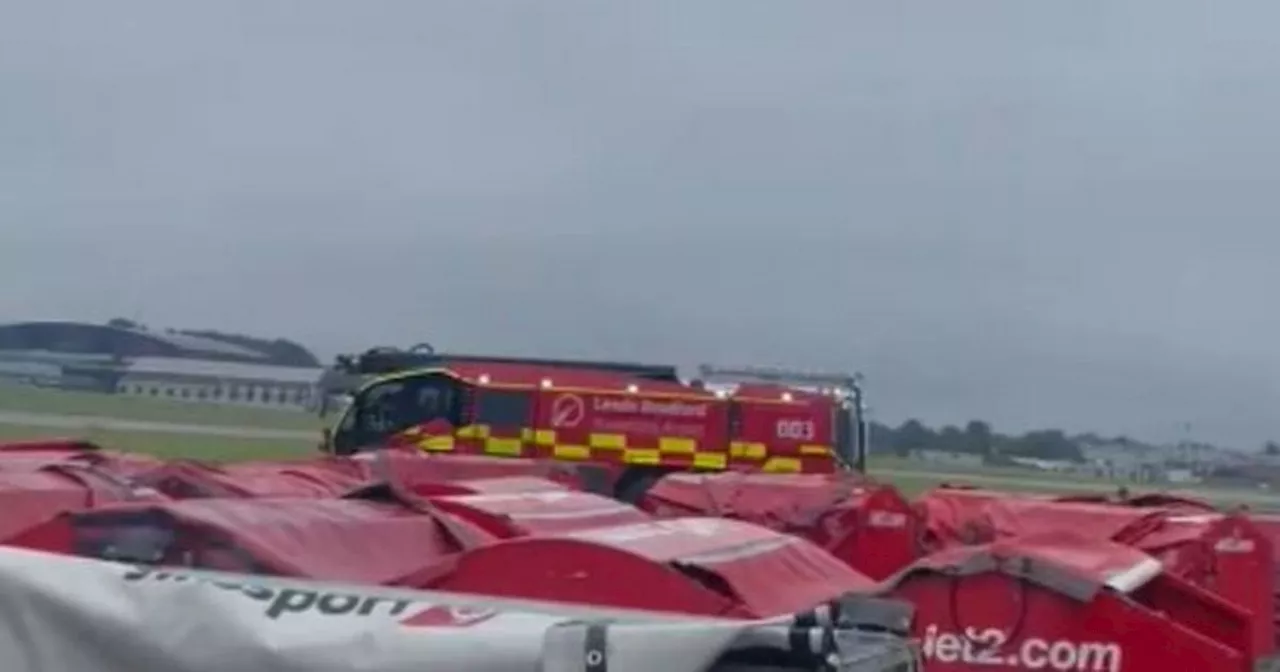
1039,213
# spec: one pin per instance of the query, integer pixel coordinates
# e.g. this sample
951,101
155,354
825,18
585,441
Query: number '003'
799,430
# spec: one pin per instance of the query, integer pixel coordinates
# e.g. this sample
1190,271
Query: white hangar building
230,383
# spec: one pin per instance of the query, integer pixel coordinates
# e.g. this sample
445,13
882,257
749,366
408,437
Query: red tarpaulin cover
28,498
1067,602
184,479
487,486
411,469
867,525
32,455
1223,553
691,565
332,539
519,514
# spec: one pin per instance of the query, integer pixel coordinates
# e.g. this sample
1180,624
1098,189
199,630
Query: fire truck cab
603,413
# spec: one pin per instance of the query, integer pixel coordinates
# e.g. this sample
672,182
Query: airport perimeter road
91,422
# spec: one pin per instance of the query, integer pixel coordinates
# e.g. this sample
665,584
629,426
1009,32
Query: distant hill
280,351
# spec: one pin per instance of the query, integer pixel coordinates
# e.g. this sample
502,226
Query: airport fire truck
644,418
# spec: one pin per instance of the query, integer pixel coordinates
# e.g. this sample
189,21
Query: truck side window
735,419
348,436
844,433
503,408
393,406
382,408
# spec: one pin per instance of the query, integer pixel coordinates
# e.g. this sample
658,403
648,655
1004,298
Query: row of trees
977,438
280,351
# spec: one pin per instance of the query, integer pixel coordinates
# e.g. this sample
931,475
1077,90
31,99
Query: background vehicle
642,418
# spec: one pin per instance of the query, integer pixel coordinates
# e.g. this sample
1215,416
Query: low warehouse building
181,366
229,383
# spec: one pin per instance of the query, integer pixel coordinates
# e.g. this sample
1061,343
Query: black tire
635,482
594,479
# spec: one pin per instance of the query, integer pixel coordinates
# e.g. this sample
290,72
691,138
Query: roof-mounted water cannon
352,371
779,376
851,426
388,359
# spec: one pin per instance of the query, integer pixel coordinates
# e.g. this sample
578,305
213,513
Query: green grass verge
173,446
27,399
913,483
895,463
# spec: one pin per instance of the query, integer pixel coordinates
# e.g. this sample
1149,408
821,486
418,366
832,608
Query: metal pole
861,428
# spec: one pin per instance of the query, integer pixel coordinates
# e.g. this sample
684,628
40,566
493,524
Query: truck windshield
388,408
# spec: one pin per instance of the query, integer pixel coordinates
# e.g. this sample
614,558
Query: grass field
56,402
173,445
82,414
93,412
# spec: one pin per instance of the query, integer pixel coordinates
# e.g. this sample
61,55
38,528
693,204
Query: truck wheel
593,479
635,482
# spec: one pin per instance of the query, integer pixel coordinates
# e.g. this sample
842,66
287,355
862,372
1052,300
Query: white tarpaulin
68,614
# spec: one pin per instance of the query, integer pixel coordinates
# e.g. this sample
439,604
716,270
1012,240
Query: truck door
502,419
743,451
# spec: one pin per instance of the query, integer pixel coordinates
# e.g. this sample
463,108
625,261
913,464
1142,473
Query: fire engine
644,418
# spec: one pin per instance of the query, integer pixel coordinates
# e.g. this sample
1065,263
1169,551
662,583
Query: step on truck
644,420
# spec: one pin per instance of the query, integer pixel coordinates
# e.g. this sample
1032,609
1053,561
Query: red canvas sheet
29,498
412,469
691,565
960,516
869,526
1067,602
339,540
192,480
518,514
34,455
487,486
332,539
1221,553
